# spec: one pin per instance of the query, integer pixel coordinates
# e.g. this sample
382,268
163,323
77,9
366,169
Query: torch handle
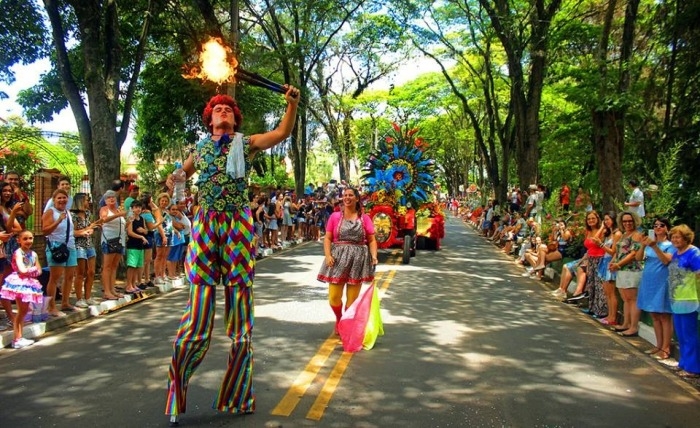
240,72
251,81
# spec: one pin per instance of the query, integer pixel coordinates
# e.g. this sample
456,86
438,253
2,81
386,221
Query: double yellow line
306,378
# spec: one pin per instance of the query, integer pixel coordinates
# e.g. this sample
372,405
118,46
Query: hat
533,187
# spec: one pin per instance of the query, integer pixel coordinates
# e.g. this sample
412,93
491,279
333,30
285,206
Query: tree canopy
588,92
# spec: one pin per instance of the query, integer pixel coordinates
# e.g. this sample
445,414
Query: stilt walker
221,251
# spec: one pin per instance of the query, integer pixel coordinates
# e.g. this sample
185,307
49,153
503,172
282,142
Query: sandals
653,350
661,355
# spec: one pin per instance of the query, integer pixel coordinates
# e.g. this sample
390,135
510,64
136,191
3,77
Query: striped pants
192,342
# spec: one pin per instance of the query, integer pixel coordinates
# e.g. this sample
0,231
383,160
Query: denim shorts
71,262
85,253
105,250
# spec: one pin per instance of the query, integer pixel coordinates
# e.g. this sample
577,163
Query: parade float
399,183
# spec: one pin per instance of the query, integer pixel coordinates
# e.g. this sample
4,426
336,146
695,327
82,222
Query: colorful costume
23,286
353,262
221,250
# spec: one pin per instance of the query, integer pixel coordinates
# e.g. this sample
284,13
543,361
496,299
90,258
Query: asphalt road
468,343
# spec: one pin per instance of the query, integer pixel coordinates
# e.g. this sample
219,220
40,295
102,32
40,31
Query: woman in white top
113,226
57,227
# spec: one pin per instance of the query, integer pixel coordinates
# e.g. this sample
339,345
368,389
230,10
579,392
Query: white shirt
637,196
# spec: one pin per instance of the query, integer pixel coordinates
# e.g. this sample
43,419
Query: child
136,241
22,285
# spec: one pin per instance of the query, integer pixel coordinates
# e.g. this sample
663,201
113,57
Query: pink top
334,222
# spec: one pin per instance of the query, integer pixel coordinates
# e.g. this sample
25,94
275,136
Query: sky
27,76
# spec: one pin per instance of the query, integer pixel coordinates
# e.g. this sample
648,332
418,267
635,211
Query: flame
214,63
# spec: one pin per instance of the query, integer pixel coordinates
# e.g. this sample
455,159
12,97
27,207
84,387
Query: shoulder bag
60,252
114,245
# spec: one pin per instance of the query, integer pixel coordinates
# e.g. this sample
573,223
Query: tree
372,50
298,35
101,70
524,32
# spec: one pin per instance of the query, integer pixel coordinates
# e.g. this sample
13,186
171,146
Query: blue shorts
85,253
105,250
71,262
176,253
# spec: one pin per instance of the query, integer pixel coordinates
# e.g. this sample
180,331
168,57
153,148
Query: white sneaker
91,302
21,343
82,303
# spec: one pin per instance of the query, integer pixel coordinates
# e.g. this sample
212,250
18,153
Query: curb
37,330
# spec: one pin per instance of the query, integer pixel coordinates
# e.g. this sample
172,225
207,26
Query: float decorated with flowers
399,184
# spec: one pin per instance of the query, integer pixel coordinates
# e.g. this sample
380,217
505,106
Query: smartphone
651,234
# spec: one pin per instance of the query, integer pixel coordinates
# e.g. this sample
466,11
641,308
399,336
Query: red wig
226,100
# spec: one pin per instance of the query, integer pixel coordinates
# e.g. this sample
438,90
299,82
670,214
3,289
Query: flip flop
110,298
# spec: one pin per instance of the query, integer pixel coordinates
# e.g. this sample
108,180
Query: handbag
60,252
114,245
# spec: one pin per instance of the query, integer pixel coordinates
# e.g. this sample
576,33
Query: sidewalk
36,330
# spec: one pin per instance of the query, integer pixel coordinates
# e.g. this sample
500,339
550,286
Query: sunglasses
659,226
627,221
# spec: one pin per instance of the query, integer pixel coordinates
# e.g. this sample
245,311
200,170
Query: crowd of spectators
655,270
142,234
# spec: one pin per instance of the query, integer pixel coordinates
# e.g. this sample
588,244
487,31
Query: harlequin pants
220,250
192,342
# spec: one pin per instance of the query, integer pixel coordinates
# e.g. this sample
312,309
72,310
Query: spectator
136,231
19,196
163,239
608,242
113,228
552,251
271,225
57,226
653,289
594,254
629,271
564,196
635,203
531,203
514,233
65,184
181,227
117,187
683,278
154,218
22,285
133,195
287,224
9,227
258,211
85,250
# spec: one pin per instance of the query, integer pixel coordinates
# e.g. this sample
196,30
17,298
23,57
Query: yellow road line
319,406
302,383
324,397
290,400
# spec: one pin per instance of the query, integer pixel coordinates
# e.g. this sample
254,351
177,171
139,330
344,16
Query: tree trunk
608,141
